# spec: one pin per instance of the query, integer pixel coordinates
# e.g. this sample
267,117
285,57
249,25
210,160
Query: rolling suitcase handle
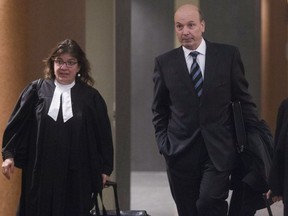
267,202
114,185
96,210
117,212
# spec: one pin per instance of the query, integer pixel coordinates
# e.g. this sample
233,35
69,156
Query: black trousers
242,201
197,187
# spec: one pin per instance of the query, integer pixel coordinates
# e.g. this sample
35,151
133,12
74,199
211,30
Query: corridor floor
150,192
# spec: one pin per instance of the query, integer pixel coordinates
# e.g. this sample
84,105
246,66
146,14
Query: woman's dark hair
71,47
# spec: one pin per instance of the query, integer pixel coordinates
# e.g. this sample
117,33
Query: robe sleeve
14,142
105,143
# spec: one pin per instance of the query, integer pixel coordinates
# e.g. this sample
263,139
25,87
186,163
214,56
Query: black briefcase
117,212
248,156
240,131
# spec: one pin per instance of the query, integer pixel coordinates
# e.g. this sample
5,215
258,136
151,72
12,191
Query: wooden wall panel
274,71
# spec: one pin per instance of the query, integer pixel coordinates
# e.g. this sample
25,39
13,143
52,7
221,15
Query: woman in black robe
278,179
59,134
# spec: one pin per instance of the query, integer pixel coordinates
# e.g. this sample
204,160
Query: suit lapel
210,62
180,67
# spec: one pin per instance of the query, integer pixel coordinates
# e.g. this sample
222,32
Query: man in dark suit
192,119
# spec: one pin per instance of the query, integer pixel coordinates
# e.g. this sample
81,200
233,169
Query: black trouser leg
197,187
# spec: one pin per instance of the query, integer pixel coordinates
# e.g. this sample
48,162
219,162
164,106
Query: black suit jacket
279,170
179,116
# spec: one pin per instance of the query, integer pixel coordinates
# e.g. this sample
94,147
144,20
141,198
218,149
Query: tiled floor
150,191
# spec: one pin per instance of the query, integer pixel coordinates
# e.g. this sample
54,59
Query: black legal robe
61,162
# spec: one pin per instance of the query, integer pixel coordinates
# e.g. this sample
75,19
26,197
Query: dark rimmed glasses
69,64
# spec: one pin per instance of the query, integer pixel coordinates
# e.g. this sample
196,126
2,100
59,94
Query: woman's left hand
104,179
273,198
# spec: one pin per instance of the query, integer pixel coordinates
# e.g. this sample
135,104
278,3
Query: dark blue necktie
196,74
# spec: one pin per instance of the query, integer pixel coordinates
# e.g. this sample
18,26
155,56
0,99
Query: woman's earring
78,74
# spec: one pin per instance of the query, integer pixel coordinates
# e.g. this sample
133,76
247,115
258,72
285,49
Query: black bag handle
268,203
114,186
96,209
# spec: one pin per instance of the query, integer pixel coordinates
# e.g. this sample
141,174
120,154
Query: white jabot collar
65,91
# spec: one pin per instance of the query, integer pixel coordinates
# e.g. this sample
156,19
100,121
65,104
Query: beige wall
100,50
178,3
100,47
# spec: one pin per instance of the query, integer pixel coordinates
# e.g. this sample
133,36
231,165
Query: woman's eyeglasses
69,64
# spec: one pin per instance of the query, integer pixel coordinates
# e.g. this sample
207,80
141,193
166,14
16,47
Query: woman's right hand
274,198
8,167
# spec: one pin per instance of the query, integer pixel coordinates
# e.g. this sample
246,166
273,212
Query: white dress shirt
200,58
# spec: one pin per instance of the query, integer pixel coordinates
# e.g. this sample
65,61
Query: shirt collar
201,49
